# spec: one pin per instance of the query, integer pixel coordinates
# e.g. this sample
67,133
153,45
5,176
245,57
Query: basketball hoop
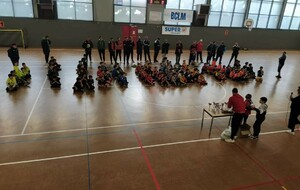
249,24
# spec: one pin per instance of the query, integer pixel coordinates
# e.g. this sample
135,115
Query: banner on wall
175,30
174,15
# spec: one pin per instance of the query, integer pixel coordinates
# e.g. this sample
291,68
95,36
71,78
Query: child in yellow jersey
26,71
11,83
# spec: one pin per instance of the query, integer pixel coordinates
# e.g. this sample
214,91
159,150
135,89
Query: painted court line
117,126
115,150
147,160
36,100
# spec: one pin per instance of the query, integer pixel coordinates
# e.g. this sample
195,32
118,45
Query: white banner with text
174,15
175,30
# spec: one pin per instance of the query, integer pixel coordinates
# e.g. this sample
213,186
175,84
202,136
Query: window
130,11
75,9
291,15
230,12
265,13
16,8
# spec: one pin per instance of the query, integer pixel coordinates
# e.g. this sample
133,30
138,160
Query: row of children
83,80
106,76
53,75
18,77
167,74
237,73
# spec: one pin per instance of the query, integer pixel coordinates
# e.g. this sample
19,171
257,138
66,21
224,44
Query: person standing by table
236,102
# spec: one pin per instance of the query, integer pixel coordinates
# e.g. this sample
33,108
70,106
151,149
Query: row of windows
283,14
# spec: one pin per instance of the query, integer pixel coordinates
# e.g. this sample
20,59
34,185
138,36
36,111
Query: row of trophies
218,107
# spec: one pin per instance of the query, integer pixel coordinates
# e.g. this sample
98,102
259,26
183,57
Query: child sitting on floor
260,73
90,83
11,83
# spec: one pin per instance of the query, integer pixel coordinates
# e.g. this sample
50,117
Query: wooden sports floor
142,137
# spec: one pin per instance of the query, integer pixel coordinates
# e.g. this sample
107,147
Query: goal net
10,36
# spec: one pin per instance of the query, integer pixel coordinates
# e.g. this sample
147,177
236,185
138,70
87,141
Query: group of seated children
119,75
236,72
83,80
105,77
53,75
18,77
167,74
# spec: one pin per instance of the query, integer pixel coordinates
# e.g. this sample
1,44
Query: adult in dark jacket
156,49
146,45
112,50
101,48
165,48
13,54
295,112
209,52
281,63
235,52
131,47
139,49
178,51
87,45
220,52
46,42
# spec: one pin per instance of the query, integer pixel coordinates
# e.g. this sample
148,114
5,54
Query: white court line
117,126
36,100
121,150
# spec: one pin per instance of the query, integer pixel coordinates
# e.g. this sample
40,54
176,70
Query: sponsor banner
175,30
174,15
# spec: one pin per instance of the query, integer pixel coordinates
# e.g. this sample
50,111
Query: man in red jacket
199,50
237,103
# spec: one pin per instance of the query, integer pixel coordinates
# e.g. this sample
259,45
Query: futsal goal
10,36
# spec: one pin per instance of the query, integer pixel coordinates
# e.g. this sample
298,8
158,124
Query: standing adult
199,50
119,46
101,48
178,51
126,49
146,44
156,49
112,50
193,52
139,49
87,45
213,50
46,42
131,47
281,63
165,48
220,52
13,54
236,102
295,112
235,52
209,52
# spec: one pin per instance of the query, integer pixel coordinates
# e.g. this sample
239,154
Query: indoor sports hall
146,137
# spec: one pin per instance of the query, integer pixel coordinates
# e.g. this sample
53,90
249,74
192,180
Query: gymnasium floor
142,137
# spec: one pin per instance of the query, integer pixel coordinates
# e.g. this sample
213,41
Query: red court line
147,160
259,165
